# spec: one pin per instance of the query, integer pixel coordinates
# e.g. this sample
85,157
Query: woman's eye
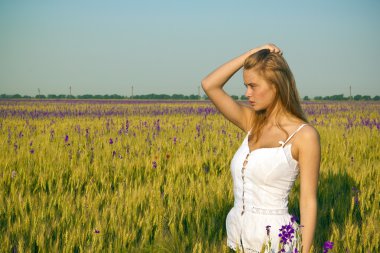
249,86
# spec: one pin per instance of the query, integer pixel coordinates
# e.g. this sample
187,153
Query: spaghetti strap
299,128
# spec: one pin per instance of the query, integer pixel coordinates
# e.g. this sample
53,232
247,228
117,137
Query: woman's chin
259,110
255,107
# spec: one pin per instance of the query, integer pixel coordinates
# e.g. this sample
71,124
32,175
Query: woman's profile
280,145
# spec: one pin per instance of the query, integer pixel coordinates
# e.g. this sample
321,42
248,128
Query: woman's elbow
309,203
205,85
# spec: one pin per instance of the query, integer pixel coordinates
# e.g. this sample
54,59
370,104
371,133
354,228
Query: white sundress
261,189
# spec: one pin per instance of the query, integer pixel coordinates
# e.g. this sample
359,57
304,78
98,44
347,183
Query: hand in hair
272,48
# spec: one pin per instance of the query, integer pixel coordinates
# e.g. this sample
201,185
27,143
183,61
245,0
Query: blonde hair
275,70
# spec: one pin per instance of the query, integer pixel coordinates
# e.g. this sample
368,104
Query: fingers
272,48
275,49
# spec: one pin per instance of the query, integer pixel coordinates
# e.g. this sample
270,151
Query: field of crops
150,176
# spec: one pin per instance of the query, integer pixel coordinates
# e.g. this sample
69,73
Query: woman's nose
248,93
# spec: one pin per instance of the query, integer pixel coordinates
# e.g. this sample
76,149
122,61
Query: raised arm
213,84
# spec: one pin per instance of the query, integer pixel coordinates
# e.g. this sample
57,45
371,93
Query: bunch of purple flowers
290,238
288,233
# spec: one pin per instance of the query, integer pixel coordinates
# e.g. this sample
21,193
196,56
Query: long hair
275,70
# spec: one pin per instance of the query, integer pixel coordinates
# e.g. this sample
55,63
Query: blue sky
105,47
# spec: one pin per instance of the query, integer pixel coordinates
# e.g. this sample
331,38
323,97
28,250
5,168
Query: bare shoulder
308,135
307,142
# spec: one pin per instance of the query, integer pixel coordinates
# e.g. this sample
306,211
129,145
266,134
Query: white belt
264,211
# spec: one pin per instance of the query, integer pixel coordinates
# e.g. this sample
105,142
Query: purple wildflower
175,140
294,218
327,246
157,123
32,151
87,133
154,164
111,141
66,138
286,235
198,127
355,191
97,231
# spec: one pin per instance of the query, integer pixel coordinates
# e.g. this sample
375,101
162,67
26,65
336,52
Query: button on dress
262,180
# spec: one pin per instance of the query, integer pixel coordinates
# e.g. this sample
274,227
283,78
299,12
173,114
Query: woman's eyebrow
246,84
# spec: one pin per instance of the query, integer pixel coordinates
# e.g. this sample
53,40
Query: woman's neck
279,116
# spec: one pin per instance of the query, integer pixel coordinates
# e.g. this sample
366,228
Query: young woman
279,146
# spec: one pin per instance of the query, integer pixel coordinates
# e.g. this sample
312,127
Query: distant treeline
178,97
341,97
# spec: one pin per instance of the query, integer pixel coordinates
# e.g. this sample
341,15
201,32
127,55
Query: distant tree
357,97
61,96
115,96
177,96
242,97
40,96
376,98
205,97
194,97
306,98
26,96
85,96
338,97
318,98
16,96
366,97
161,96
234,97
52,96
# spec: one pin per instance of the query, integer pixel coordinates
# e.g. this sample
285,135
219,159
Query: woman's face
259,93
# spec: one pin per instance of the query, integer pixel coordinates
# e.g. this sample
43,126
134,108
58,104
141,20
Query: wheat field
154,176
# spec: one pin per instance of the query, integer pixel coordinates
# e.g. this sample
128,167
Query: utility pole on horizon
132,92
199,93
70,90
